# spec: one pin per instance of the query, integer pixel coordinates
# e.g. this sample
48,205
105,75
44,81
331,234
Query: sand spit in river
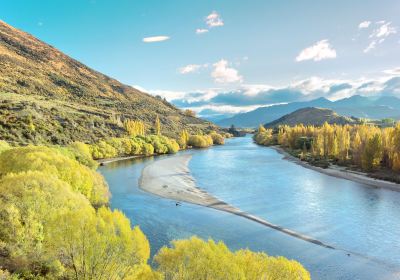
170,178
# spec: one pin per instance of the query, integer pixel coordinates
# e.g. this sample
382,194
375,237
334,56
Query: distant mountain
356,106
48,97
311,116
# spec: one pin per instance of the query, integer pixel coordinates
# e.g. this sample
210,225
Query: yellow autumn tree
198,259
157,126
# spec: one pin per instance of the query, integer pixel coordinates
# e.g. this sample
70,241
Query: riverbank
341,172
105,161
170,178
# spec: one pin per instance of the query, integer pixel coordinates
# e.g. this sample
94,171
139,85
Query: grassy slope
48,97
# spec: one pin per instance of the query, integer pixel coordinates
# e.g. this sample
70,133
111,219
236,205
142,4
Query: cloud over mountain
246,97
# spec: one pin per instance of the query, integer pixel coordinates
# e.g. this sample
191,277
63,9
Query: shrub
48,160
31,204
49,230
81,152
4,146
200,141
197,259
218,139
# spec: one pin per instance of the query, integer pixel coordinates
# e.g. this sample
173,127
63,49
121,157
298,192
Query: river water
363,223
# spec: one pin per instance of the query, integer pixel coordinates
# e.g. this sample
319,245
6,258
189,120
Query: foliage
134,128
190,113
187,259
31,205
4,146
366,146
139,145
100,245
217,138
263,136
157,126
183,139
80,152
49,160
200,141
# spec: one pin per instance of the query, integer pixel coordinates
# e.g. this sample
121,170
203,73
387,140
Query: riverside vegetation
368,148
55,222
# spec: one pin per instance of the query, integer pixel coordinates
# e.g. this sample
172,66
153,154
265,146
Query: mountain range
48,97
355,106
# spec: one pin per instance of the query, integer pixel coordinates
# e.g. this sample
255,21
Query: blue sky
226,56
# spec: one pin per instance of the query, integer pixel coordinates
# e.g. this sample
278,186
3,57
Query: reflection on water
256,179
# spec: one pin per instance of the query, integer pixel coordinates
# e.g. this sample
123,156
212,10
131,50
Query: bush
197,259
81,152
218,139
4,146
49,230
138,145
51,161
31,204
200,141
103,150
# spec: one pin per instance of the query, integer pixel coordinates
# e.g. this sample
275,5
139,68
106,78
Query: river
363,223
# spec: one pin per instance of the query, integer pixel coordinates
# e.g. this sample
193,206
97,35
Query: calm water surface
345,214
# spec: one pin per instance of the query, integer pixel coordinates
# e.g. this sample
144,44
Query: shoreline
340,172
105,161
170,178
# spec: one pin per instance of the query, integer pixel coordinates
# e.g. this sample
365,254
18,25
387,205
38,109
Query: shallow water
347,215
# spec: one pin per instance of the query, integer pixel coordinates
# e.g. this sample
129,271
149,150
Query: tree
190,113
372,153
134,128
183,139
157,126
48,160
198,259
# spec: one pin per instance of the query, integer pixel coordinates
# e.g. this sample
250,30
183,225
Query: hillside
48,97
311,116
356,106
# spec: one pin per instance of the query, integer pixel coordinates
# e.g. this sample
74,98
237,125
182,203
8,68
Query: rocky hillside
311,116
48,97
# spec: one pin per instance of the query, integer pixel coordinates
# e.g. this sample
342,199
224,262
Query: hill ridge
48,97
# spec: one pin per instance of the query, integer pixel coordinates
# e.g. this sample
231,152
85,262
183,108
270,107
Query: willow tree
198,259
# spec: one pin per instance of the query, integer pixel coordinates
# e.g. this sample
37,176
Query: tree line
366,146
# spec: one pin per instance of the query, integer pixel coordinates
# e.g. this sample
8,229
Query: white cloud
364,24
201,30
394,71
155,39
379,34
319,51
191,68
214,20
169,95
224,109
371,46
383,31
222,73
